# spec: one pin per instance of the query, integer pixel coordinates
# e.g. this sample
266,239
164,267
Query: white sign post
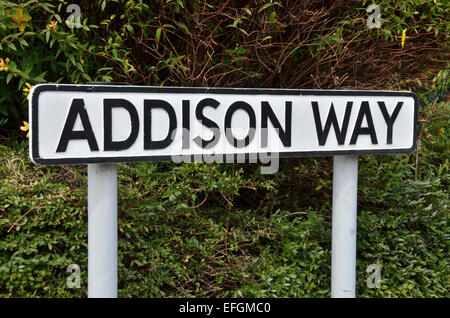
343,232
101,125
102,230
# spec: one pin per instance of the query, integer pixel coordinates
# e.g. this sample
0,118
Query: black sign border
189,90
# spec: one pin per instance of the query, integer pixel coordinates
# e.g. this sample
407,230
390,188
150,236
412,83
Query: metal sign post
102,230
343,241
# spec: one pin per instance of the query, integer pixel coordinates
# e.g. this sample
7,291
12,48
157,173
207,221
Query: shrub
306,44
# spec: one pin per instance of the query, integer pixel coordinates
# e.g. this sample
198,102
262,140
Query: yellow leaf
26,127
20,19
403,37
27,89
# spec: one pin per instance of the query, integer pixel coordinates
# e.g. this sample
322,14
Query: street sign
72,124
104,124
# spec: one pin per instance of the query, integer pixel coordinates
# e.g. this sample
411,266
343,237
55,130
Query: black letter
77,108
369,130
322,135
251,115
207,122
390,119
186,124
108,105
267,112
157,103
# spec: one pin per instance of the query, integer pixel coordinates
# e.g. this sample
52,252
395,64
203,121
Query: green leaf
267,5
158,34
12,46
243,31
72,59
170,26
23,42
185,28
9,77
86,77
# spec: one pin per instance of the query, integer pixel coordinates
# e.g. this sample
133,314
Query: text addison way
82,123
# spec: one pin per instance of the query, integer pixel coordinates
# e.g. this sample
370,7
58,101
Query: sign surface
72,124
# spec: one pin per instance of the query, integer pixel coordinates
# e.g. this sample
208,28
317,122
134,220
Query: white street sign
72,124
101,124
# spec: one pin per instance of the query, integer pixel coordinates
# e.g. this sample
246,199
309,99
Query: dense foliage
290,44
225,229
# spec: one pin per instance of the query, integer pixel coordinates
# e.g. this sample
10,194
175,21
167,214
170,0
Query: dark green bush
306,44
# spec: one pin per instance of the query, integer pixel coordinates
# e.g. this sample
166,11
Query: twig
18,220
295,213
200,204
